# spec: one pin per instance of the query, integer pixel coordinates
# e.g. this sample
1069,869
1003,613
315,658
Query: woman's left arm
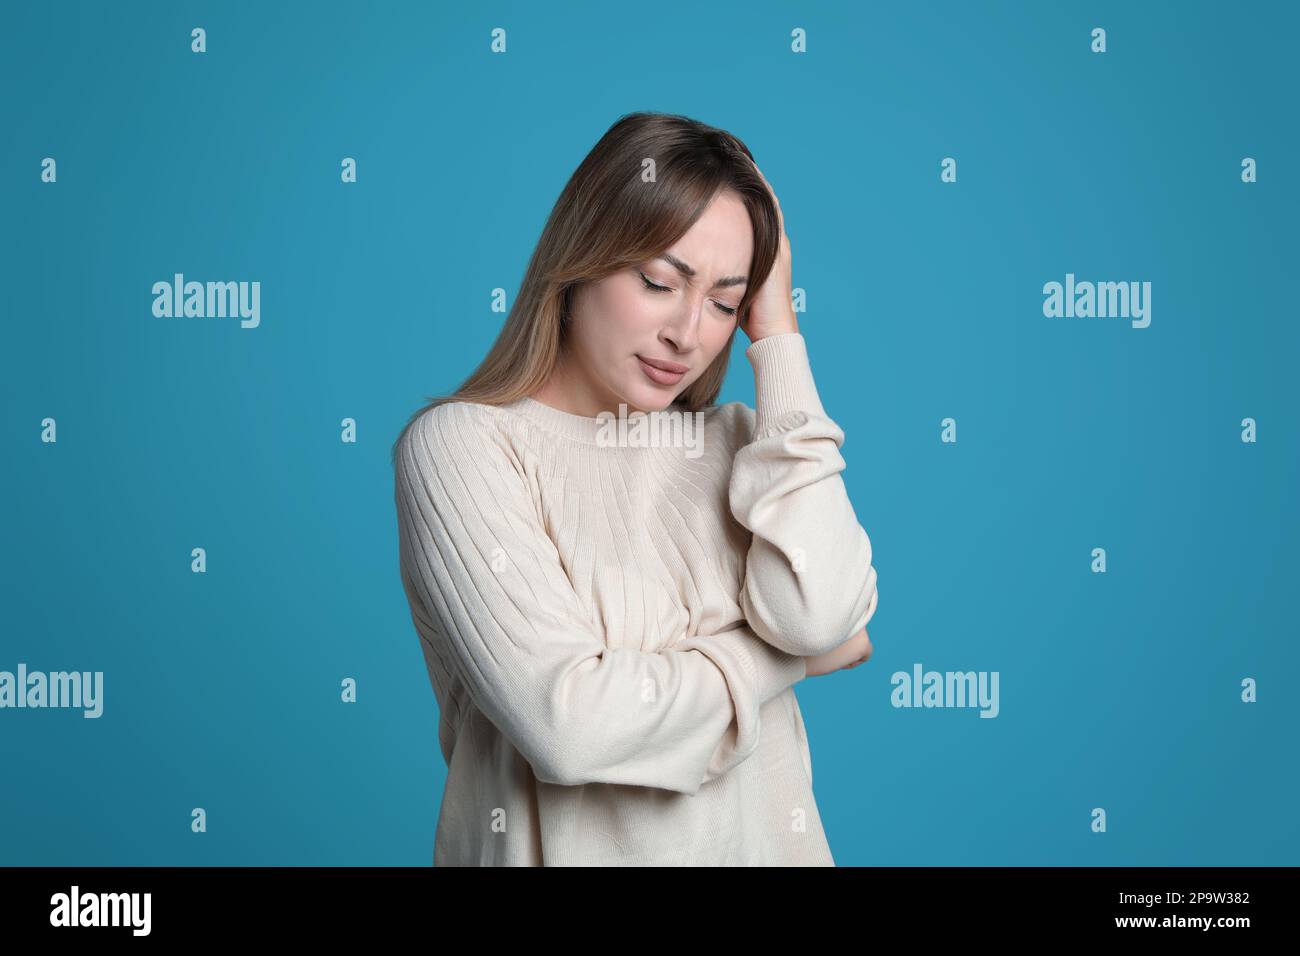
809,584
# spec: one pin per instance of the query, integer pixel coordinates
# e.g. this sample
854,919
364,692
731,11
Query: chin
652,400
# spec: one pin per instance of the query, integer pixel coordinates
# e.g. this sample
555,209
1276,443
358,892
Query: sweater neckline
566,423
591,431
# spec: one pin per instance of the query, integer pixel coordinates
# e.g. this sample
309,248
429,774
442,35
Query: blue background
1118,690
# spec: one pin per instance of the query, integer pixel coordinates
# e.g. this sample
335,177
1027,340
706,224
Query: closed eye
652,285
655,287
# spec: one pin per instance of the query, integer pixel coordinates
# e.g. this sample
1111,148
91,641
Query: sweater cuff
770,669
783,380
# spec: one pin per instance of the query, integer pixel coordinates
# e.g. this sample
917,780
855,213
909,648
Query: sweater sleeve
809,584
489,581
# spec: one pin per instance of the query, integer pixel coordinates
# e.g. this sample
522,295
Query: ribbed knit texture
613,632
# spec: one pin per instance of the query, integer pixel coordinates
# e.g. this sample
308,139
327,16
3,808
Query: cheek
624,311
601,333
718,337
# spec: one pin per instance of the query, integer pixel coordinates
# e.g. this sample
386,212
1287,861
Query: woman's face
622,326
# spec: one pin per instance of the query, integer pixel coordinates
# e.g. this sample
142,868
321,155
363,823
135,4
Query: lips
665,365
661,371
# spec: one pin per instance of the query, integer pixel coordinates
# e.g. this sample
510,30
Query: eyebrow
687,271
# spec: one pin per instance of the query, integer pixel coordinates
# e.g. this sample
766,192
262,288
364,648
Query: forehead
721,240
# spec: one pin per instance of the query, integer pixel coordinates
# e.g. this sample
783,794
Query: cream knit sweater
613,631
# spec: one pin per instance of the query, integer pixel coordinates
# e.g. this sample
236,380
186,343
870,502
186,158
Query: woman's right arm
856,650
531,658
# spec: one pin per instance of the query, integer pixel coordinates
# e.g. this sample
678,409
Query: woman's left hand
772,311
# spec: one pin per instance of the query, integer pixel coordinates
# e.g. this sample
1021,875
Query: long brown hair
612,214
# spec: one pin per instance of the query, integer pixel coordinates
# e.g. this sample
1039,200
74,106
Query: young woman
612,627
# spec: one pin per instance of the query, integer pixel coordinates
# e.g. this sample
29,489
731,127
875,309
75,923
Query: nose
683,333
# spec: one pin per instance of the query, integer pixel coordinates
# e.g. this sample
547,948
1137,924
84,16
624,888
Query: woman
613,627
